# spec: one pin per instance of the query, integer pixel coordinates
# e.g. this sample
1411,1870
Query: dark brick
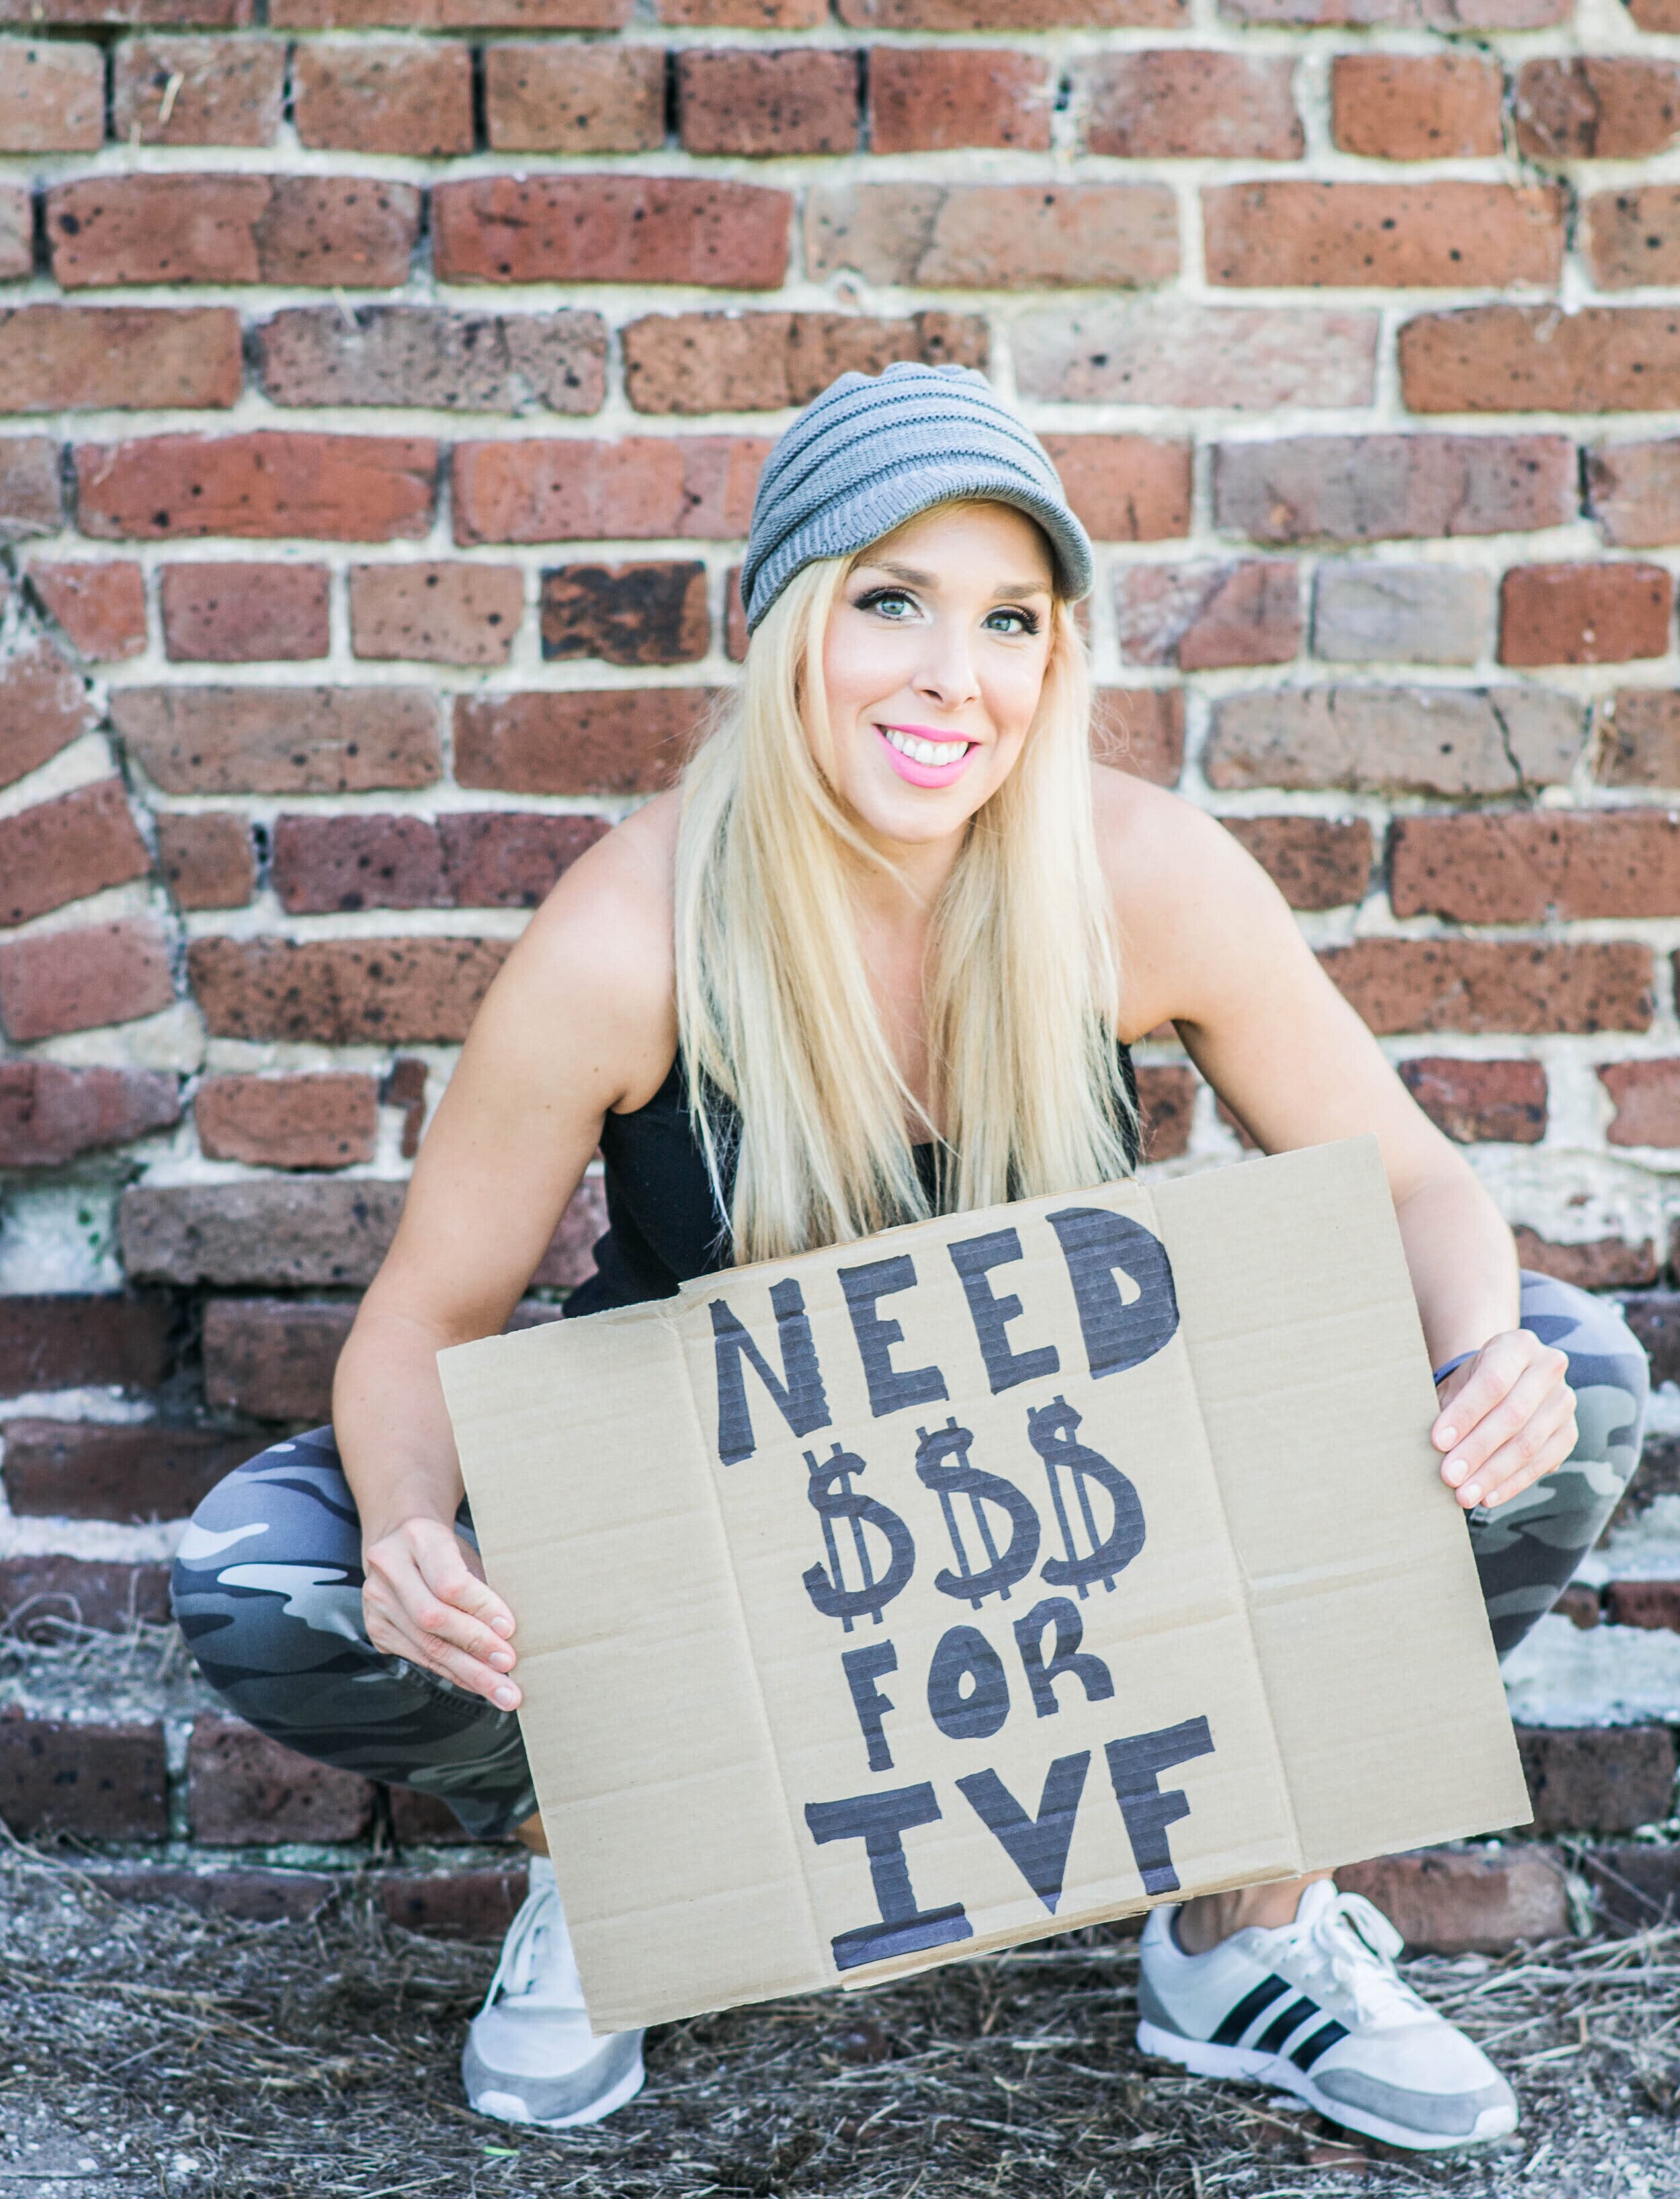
1502,1101
1448,1903
255,1896
1494,985
285,1234
244,1789
326,863
102,1781
748,101
341,992
69,1469
1655,1321
1598,1779
1166,1100
1317,862
48,1114
420,1820
643,614
510,861
1634,1889
1595,1264
274,1358
208,857
1375,488
460,1905
72,1342
40,1596
424,355
616,741
281,740
693,229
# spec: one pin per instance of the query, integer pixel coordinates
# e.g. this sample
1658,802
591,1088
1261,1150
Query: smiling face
933,665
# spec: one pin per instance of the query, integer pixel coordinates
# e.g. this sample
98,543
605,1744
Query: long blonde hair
774,1011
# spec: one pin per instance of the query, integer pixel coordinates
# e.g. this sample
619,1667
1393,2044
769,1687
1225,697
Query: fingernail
502,1626
1456,1469
1447,1438
506,1698
1472,1494
502,1660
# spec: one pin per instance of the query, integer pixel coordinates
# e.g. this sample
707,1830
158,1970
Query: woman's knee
1609,1370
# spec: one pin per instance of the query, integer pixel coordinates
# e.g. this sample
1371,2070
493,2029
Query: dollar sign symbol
830,1492
1051,1429
981,1489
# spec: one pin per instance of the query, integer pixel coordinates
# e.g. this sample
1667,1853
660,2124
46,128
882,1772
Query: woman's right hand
425,1599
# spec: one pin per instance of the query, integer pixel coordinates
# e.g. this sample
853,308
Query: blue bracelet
1441,1372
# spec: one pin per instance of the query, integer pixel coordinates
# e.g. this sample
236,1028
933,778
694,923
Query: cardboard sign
997,1575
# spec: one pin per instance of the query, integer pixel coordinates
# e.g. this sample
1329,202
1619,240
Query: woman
881,954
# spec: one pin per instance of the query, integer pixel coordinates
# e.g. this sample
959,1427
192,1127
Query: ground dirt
152,2050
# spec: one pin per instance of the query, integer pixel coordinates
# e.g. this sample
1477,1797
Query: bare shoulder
1158,849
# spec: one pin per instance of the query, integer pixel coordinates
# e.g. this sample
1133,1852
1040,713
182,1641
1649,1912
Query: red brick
17,234
48,1114
646,614
1659,15
1633,237
1601,1263
1420,740
1646,1096
611,228
404,1086
281,740
1596,107
81,980
1652,1604
65,849
244,1789
101,608
734,618
574,99
1317,862
1012,14
1453,17
1533,867
1166,1098
1533,358
337,489
1633,492
1181,105
1140,730
1484,985
760,362
1655,1321
208,857
1125,488
1503,1101
929,99
222,228
255,1896
52,98
1598,1779
452,14
1641,743
324,864
198,91
32,494
230,612
102,1781
618,741
67,1342
275,1232
643,486
328,1121
1200,616
570,1255
425,355
43,707
745,15
273,1358
1375,488
384,98
339,992
510,861
216,15
1567,614
57,358
1447,1903
425,1821
1435,235
993,236
454,1904
1416,107
63,1469
40,1597
748,101
432,614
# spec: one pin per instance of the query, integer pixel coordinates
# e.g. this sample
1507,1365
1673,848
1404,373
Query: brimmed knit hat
874,450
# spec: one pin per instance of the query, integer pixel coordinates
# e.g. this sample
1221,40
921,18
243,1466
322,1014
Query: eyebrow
914,577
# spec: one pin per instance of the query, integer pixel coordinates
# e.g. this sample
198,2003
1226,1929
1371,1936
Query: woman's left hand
1506,1417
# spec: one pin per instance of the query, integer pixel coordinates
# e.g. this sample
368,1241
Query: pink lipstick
911,768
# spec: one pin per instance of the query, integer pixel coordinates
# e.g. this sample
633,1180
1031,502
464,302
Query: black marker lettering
799,1395
1135,1767
1094,1243
1067,1659
992,1316
965,1654
1037,1846
864,1667
891,1389
880,1821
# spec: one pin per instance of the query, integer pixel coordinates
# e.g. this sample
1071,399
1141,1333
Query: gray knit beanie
875,450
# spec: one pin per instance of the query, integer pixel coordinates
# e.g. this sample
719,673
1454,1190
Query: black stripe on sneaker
1238,2019
1320,2042
1293,2018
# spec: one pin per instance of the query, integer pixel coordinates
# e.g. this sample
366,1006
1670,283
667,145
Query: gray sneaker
530,2055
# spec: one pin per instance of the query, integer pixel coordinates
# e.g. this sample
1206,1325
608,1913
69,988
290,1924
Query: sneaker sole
1244,2065
507,2106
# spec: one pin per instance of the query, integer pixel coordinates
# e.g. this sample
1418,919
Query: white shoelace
1352,1946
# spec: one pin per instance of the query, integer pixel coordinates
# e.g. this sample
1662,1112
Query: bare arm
578,1020
1210,946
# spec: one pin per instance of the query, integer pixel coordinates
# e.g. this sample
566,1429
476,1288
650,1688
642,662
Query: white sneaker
530,2056
1317,2007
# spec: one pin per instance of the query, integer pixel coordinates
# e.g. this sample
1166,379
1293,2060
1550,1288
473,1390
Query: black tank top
664,1226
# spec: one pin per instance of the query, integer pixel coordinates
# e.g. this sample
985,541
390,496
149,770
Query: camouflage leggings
268,1587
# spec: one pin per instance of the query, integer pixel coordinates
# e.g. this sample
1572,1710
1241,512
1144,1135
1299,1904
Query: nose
946,672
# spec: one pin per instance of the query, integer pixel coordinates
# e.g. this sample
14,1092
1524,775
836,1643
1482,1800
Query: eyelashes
873,599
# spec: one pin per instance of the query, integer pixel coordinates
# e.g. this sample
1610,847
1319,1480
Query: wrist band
1441,1372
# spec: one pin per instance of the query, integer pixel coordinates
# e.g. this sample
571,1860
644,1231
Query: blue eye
877,599
1024,623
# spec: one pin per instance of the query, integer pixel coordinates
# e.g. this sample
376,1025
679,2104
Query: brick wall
384,384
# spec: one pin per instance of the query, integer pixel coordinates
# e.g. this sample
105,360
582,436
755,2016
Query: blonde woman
880,955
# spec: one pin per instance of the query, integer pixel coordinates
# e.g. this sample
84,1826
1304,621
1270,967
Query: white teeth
928,752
